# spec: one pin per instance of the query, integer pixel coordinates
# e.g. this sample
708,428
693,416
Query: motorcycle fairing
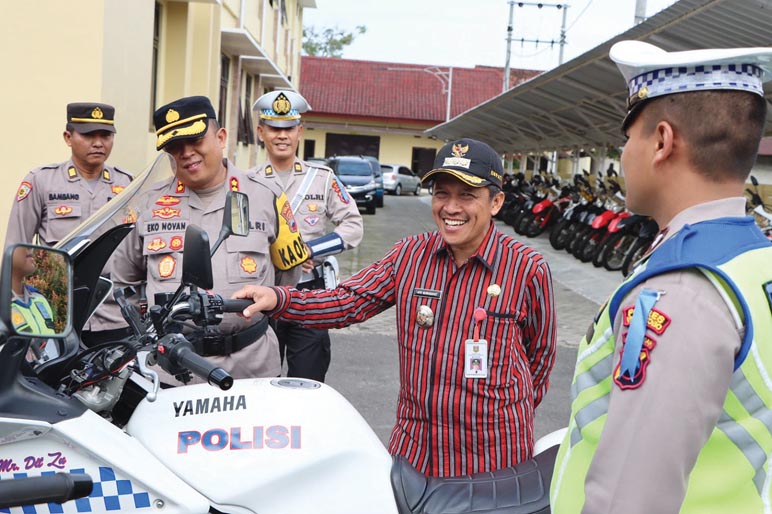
127,478
268,445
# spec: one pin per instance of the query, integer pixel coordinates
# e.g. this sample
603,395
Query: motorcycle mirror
754,181
235,219
196,265
36,294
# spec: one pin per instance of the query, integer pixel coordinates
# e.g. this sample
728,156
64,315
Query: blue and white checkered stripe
109,494
293,113
680,79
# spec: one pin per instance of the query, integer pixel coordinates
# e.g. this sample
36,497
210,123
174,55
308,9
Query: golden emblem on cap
97,113
281,105
643,92
172,116
494,290
459,150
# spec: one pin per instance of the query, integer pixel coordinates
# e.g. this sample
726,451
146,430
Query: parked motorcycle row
590,221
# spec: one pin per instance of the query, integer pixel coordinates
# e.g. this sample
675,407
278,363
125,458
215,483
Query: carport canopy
580,104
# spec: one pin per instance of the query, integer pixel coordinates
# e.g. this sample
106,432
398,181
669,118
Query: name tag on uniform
427,293
476,358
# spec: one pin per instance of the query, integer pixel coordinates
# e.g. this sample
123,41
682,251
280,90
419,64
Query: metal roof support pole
575,162
523,163
598,160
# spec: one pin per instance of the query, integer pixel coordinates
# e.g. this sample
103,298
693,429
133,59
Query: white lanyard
296,201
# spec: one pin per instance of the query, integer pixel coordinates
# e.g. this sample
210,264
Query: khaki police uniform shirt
153,253
52,201
653,434
324,200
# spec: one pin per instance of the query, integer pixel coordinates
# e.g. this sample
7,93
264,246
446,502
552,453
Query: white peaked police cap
651,72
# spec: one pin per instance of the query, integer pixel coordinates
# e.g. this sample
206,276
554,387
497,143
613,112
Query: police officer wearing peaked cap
54,199
328,218
187,129
671,397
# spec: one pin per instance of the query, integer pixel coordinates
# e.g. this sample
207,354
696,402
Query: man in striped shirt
475,323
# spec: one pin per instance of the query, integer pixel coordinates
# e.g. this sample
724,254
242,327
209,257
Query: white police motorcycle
259,446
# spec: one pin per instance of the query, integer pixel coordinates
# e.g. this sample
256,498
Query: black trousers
307,350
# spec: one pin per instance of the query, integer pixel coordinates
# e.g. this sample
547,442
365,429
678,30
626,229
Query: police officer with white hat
52,200
328,217
672,397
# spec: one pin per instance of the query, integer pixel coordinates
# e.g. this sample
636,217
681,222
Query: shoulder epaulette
127,173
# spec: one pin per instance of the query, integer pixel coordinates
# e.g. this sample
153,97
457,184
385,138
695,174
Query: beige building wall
52,55
395,148
61,51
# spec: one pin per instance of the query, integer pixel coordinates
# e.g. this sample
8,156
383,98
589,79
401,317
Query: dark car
379,191
358,178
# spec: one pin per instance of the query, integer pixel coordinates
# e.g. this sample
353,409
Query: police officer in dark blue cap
54,199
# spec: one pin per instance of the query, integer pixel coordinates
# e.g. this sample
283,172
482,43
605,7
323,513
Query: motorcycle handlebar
181,353
57,488
236,305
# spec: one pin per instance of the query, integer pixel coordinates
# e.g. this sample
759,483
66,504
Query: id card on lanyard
476,349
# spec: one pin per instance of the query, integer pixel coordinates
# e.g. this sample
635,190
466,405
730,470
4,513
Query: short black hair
721,128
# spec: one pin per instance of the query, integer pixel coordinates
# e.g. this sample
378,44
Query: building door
309,147
423,160
349,144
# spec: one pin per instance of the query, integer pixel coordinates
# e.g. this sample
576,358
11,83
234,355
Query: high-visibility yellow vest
731,472
35,317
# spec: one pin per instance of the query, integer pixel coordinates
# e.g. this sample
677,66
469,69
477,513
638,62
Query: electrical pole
510,28
562,34
509,45
640,11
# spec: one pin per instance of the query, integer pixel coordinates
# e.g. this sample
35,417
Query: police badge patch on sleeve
24,190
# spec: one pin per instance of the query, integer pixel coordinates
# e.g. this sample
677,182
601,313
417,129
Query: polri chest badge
424,316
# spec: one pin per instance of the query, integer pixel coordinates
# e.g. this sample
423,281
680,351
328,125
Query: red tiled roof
370,89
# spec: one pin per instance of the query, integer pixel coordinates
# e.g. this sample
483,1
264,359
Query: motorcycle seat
521,489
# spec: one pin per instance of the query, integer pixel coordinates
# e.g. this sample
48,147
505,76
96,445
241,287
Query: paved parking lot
364,364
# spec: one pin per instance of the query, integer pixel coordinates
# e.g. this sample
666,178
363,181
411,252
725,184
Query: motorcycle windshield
123,208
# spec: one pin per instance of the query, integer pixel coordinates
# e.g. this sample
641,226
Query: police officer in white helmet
328,218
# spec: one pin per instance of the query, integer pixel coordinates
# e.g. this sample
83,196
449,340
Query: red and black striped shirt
447,424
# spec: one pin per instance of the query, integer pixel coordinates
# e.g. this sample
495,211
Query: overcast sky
471,32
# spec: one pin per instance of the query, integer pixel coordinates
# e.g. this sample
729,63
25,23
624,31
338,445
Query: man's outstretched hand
264,297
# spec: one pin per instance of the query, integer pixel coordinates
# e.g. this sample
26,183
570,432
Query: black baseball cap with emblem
471,161
186,118
85,117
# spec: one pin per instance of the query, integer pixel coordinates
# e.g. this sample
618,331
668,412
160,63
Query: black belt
219,344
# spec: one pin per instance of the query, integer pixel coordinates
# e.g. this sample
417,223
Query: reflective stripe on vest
36,315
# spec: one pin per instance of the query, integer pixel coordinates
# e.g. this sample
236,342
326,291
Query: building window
225,68
348,144
422,160
309,148
246,132
154,72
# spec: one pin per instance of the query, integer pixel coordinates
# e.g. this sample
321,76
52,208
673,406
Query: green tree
328,42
